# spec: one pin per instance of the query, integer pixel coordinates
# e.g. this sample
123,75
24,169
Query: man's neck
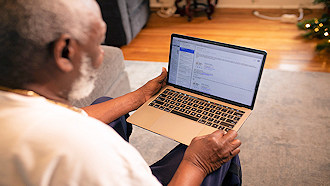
49,93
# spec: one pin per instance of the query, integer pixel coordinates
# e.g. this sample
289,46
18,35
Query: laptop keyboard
204,112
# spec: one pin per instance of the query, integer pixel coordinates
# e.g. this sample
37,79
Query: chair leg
188,11
209,9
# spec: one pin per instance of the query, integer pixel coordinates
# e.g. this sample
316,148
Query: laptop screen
217,70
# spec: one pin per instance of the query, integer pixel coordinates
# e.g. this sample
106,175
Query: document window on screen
224,72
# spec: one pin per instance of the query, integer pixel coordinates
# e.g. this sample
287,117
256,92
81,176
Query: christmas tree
318,28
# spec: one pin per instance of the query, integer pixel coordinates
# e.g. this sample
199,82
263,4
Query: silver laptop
210,86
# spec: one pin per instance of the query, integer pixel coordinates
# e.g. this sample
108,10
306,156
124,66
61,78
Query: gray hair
29,27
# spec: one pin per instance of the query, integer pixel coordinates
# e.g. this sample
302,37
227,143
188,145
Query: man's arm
110,110
204,155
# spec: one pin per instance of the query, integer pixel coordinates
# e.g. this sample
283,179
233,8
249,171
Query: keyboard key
160,98
184,115
224,114
231,121
238,114
215,125
230,112
158,102
227,124
210,119
162,95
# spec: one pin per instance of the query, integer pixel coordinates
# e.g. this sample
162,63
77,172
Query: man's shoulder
70,144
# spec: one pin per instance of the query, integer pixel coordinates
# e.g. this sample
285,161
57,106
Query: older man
49,54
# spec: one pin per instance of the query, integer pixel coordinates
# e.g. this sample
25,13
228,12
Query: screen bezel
264,53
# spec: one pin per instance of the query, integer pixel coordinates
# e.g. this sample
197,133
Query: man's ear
63,53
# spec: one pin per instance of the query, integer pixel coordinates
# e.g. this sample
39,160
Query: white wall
267,4
160,3
250,3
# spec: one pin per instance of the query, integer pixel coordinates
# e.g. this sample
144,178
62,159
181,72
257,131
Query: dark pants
228,174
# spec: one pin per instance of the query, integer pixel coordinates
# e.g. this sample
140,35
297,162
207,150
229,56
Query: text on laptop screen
220,71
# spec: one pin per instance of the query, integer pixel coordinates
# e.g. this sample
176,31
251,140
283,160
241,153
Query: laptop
210,86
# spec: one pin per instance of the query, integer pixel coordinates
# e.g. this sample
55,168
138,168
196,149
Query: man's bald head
29,28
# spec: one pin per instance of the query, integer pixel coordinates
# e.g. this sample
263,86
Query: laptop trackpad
180,129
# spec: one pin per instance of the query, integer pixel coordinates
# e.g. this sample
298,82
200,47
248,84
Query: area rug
285,141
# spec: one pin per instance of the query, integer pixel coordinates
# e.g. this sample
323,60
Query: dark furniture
193,6
124,18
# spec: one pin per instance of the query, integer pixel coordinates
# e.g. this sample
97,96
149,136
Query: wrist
138,98
188,174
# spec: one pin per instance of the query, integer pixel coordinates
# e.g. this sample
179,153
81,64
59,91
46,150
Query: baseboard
246,4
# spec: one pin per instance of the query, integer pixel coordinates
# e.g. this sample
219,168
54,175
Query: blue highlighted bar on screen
187,50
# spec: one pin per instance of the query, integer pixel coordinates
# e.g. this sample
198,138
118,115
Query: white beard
84,85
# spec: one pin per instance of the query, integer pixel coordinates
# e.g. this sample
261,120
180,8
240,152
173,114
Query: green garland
318,28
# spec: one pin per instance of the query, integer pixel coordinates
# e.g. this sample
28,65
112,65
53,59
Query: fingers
229,139
230,135
162,77
234,152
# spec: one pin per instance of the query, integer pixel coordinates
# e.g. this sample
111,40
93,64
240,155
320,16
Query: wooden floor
283,43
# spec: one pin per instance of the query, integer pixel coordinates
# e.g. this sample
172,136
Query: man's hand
204,155
110,110
209,152
154,85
